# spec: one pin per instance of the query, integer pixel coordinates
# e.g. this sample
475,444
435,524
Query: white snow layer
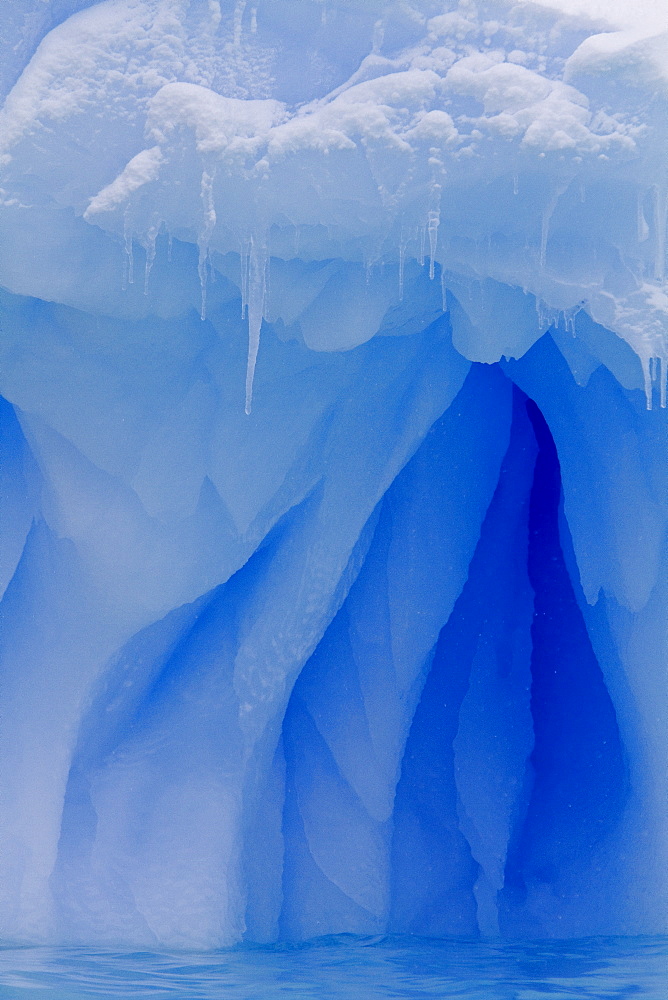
270,271
507,142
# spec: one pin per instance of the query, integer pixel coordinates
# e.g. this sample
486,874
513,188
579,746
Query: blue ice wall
579,786
333,472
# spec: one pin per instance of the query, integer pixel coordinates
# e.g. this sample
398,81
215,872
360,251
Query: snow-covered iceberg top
515,145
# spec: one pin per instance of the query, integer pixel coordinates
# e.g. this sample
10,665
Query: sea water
342,967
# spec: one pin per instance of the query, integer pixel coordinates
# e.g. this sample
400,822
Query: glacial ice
334,574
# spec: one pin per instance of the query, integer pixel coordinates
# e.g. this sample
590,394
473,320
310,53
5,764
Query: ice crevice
333,561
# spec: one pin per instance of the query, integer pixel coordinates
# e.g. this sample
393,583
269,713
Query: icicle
655,369
150,257
660,213
169,248
257,284
208,224
641,221
547,317
129,270
567,317
433,221
433,237
646,363
444,292
402,262
516,184
545,223
253,24
151,237
543,237
201,270
423,234
238,18
243,260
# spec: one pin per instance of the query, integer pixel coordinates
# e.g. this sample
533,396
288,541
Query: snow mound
494,144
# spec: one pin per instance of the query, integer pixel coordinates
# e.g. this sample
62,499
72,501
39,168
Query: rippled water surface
346,967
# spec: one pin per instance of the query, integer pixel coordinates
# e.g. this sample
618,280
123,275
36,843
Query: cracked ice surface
333,360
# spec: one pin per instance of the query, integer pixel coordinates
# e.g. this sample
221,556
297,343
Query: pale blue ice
333,502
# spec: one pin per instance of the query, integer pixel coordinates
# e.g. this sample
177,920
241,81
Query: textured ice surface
333,452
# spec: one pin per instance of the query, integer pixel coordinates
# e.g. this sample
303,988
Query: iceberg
334,563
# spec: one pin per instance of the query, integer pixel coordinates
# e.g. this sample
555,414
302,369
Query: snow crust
493,142
333,356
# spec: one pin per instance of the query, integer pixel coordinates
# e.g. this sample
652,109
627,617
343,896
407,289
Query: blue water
348,967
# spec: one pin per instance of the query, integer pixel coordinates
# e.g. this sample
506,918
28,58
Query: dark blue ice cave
512,778
447,763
